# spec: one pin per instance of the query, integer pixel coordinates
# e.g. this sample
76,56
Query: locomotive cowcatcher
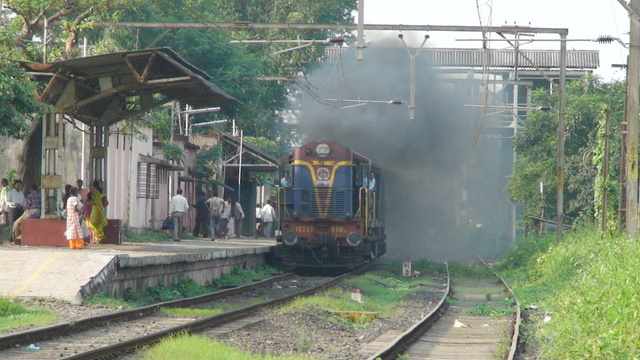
331,208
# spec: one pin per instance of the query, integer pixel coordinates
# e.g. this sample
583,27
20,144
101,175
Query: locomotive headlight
354,239
323,149
290,238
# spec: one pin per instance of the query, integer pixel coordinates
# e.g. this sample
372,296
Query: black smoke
443,186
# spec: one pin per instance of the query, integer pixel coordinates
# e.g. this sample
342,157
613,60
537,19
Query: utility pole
412,86
561,132
633,81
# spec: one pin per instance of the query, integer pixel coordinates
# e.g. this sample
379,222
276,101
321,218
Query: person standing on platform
73,231
223,226
268,217
82,192
32,207
216,208
202,216
15,203
237,214
258,219
97,215
178,208
4,216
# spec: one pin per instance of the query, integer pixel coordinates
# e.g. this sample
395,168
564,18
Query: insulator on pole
605,39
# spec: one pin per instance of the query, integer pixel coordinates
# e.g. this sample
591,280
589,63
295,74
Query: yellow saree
98,218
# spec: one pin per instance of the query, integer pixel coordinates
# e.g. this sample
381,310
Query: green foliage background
536,146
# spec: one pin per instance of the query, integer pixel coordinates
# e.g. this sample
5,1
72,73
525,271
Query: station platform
70,275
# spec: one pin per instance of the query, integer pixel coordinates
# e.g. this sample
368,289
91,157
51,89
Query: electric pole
633,82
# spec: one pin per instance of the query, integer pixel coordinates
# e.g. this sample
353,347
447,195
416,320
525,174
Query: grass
199,348
190,313
588,286
147,235
381,291
14,315
105,300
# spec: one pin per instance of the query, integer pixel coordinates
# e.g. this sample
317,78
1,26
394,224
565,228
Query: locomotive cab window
286,177
360,174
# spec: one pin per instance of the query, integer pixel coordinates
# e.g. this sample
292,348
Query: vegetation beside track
197,348
185,288
586,293
14,315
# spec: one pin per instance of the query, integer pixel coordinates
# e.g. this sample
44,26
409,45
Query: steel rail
517,316
111,351
402,342
64,329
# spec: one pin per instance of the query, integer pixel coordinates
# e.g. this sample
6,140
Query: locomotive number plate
303,229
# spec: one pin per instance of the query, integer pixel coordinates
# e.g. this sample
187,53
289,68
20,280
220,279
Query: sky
585,19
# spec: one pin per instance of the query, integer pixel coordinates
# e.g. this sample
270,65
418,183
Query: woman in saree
73,231
97,217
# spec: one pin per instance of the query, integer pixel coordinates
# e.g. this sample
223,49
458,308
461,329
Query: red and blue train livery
331,208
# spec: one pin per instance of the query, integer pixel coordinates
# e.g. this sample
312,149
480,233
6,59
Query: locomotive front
330,203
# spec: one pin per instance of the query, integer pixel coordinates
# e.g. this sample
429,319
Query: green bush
588,286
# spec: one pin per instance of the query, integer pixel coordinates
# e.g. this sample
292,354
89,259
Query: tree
536,146
235,68
66,18
17,100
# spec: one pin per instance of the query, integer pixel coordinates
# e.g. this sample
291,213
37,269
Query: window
147,181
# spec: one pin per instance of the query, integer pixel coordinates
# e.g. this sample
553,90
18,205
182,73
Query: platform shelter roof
104,89
252,159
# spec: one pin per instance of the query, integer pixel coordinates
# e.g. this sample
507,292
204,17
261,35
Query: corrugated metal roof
475,58
544,59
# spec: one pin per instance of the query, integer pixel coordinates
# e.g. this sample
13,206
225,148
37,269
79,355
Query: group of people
15,207
213,216
83,210
85,215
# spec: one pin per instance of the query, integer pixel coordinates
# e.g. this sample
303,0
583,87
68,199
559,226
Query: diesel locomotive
331,208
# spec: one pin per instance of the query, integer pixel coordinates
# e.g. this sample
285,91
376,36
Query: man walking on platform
202,216
268,217
178,208
223,226
216,207
237,214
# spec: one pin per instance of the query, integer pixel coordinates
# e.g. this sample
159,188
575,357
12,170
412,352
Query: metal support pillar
52,164
99,141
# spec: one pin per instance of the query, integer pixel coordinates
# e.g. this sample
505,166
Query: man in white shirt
15,203
178,208
268,217
286,180
370,182
4,189
258,219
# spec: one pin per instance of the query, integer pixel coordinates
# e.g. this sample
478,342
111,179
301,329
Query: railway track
111,335
450,331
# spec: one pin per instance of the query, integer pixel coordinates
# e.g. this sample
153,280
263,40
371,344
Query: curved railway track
111,335
448,332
